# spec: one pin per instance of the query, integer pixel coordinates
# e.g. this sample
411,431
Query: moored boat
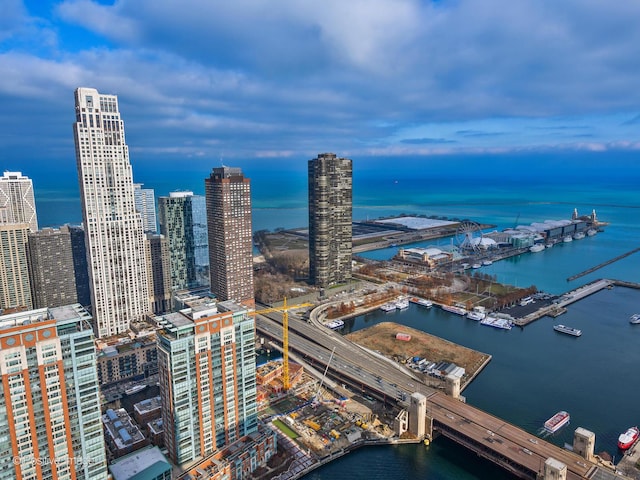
495,322
578,235
568,330
475,315
567,239
388,307
628,438
635,318
538,247
335,324
556,422
453,309
486,263
422,302
402,304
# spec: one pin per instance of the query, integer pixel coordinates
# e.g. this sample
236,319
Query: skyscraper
207,373
50,409
159,270
17,202
228,195
330,219
50,259
15,288
113,229
176,224
146,206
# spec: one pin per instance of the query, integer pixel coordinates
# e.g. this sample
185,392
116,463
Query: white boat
549,245
591,232
486,263
452,309
422,302
135,389
556,422
402,304
475,315
494,322
578,235
567,239
388,307
335,324
635,318
476,265
538,247
568,330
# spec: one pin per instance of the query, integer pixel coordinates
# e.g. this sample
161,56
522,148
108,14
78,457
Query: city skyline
407,78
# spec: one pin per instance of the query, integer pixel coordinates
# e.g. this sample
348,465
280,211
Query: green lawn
285,429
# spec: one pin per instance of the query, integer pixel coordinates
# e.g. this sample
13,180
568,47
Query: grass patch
285,429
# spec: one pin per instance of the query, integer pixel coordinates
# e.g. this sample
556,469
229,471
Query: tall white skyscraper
17,202
114,234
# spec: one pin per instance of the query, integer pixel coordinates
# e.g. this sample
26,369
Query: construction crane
284,309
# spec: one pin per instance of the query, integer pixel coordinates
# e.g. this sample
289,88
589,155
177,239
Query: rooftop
149,461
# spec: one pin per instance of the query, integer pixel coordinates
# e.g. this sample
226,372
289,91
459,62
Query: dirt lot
382,337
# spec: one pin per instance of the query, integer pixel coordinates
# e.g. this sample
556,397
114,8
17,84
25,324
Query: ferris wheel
468,236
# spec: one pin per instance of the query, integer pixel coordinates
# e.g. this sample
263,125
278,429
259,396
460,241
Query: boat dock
559,306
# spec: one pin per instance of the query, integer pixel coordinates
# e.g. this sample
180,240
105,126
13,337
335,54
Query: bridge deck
493,436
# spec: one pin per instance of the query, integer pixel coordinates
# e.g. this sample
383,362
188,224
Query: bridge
516,450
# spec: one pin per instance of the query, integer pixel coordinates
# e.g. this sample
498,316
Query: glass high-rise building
50,405
114,233
146,206
228,194
17,201
330,219
207,373
176,224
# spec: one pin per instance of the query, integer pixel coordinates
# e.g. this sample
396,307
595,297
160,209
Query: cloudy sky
201,80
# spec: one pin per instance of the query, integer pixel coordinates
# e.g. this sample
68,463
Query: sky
204,82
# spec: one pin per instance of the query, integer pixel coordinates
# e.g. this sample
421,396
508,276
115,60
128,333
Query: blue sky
282,80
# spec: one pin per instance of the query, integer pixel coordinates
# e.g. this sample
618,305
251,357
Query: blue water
534,371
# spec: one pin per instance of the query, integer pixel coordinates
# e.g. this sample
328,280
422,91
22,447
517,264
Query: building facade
49,403
176,224
207,374
15,287
114,234
146,206
159,271
17,201
330,219
50,259
228,195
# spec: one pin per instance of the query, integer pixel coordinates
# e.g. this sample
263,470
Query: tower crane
284,309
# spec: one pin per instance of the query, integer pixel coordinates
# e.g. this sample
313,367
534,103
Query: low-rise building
147,410
145,464
121,434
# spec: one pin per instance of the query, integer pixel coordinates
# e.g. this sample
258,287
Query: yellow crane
284,309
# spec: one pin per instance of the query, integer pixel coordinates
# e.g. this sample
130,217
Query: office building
17,201
228,195
207,376
114,234
176,224
159,271
50,259
146,206
15,288
330,220
50,410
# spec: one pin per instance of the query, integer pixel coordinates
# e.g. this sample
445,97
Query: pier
603,264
